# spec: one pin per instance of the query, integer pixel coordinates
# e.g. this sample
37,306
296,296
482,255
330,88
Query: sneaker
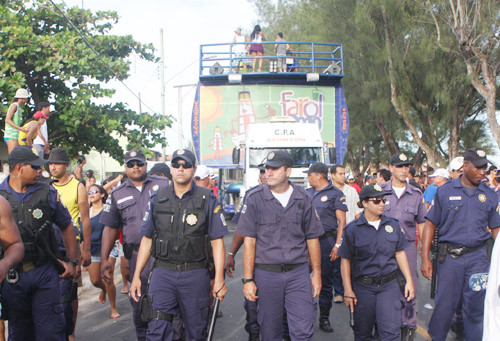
338,299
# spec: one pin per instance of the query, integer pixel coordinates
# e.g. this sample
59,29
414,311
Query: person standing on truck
279,221
256,47
330,204
280,48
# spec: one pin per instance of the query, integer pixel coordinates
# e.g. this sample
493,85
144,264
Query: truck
302,140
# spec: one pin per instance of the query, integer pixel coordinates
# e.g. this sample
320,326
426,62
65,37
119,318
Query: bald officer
281,230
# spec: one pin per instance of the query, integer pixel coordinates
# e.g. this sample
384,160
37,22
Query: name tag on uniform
124,199
455,198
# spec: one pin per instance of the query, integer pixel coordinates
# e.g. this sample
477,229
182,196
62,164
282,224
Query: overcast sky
186,24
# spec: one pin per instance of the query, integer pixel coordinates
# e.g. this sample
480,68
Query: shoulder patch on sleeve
244,209
106,208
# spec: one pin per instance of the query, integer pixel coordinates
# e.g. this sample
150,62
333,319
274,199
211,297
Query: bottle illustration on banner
216,143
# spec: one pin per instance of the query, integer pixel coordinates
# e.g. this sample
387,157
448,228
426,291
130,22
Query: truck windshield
302,157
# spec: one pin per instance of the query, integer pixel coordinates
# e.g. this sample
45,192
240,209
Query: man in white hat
440,177
456,167
202,176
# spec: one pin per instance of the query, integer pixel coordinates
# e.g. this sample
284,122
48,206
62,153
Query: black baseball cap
135,155
372,191
25,154
477,156
58,155
278,158
184,154
400,159
317,167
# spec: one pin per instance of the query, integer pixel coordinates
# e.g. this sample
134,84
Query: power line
98,56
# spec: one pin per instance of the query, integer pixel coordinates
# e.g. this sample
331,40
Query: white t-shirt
239,48
45,134
399,191
375,224
284,197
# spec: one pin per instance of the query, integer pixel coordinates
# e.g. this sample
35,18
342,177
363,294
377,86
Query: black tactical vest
33,217
181,228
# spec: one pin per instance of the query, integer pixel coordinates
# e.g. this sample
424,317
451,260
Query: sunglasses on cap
94,191
185,165
377,201
132,163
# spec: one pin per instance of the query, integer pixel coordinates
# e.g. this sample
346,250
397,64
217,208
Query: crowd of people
352,242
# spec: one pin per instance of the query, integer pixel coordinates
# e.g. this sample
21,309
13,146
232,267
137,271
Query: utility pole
140,104
179,108
162,90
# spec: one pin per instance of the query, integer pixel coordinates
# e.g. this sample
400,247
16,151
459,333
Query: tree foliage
41,51
403,91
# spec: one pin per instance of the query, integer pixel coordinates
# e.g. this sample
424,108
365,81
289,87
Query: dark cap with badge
135,155
59,155
372,191
278,158
184,154
477,156
317,167
27,155
400,159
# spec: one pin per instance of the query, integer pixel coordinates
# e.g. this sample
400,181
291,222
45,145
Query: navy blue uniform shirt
126,206
216,224
375,250
281,233
462,218
60,214
326,201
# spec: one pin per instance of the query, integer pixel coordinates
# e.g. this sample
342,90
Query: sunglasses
377,201
185,165
35,167
94,191
132,163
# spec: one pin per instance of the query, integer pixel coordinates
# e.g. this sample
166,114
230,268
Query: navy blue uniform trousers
380,304
184,291
330,274
36,296
286,290
462,278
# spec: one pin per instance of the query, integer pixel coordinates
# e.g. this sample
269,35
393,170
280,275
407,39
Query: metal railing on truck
302,57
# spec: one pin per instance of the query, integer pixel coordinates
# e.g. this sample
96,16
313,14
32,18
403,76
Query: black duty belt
329,234
180,266
377,280
456,251
278,267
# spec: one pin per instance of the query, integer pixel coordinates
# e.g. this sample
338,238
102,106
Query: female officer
373,247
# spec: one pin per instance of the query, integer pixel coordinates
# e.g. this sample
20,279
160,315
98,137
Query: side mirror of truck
332,155
236,156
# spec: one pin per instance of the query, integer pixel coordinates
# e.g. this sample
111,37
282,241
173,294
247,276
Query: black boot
376,336
253,337
324,321
407,333
404,332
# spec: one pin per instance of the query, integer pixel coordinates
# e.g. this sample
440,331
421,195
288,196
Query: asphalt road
94,322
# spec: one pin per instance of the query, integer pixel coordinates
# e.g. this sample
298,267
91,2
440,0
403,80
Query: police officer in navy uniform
281,230
183,226
125,209
31,292
373,247
406,204
329,202
462,211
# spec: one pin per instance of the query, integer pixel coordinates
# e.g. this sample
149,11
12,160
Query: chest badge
324,198
481,197
37,214
155,187
389,229
191,219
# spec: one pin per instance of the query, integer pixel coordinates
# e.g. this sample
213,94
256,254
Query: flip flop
115,317
124,291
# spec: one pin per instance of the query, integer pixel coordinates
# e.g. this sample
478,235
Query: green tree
41,51
404,93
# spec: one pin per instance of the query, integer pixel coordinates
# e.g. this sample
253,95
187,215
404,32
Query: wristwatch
73,260
247,280
230,253
337,245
